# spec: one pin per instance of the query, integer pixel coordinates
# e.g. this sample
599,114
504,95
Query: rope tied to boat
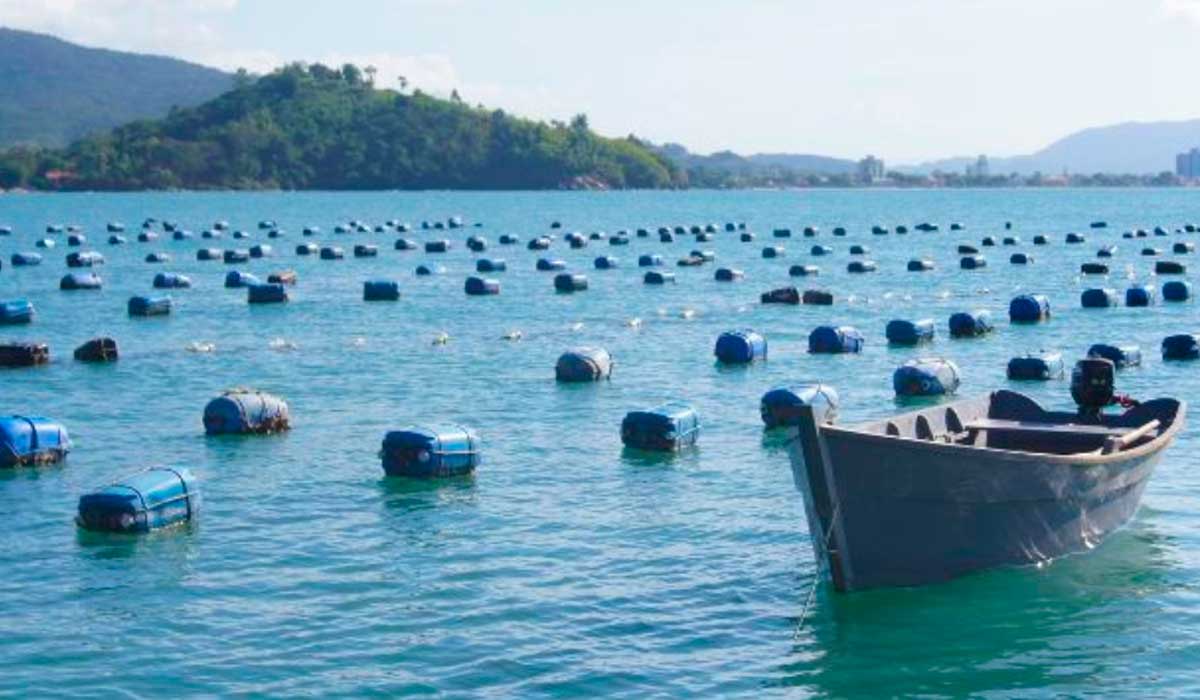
817,578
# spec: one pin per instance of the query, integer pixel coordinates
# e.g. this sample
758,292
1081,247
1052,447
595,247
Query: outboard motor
1092,384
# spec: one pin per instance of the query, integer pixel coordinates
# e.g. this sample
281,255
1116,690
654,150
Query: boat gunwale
1159,442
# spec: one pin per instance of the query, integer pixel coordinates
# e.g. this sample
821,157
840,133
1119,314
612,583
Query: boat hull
910,515
896,511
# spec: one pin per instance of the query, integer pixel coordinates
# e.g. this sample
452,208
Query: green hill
313,127
53,92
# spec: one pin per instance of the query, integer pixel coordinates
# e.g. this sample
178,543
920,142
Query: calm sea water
565,567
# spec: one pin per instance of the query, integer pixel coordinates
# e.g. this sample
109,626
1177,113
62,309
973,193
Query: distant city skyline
908,82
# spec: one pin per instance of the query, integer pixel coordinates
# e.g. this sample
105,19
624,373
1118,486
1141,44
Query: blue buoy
26,440
150,500
781,406
583,364
1176,290
740,347
1038,366
904,332
1029,308
1121,356
430,452
666,428
835,340
926,376
246,411
966,324
381,290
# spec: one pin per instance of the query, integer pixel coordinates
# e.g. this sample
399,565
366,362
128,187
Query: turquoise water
565,566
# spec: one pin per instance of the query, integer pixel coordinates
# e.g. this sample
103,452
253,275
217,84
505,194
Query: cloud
1185,9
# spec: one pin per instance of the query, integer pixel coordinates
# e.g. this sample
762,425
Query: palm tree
370,71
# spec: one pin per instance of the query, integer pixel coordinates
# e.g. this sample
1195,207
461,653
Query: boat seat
1045,428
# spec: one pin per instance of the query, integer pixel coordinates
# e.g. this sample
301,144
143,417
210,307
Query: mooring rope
820,574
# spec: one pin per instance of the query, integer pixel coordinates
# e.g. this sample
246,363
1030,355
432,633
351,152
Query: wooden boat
958,487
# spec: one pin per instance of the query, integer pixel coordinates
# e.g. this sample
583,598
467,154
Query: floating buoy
1121,356
405,244
24,354
926,376
430,452
650,261
964,249
1099,298
116,240
441,338
835,340
1093,268
970,324
208,254
1041,240
541,243
781,406
666,428
332,253
158,258
80,281
246,411
85,258
270,293
746,237
16,311
604,262
426,270
363,250
1169,267
583,364
782,233
287,277
1185,346
773,251
481,286
1036,366
264,251
202,348
904,332
568,283
76,239
490,265
1176,290
1183,248
920,265
1020,259
1075,238
477,244
655,277
236,279
740,347
509,239
1140,295
150,500
820,250
97,350
25,259
817,297
381,290
804,270
1029,308
972,262
28,440
149,306
783,295
861,266
236,256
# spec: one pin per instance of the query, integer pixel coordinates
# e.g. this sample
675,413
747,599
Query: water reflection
1045,627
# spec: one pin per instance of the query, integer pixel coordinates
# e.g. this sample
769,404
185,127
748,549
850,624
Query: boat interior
1008,420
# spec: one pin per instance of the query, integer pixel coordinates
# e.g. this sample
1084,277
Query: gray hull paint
895,511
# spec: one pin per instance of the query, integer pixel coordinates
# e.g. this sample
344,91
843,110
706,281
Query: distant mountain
53,92
1132,147
758,163
315,127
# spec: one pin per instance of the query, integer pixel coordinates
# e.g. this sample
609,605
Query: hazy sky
907,80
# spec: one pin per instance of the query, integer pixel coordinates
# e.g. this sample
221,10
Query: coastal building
979,168
870,169
1187,165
